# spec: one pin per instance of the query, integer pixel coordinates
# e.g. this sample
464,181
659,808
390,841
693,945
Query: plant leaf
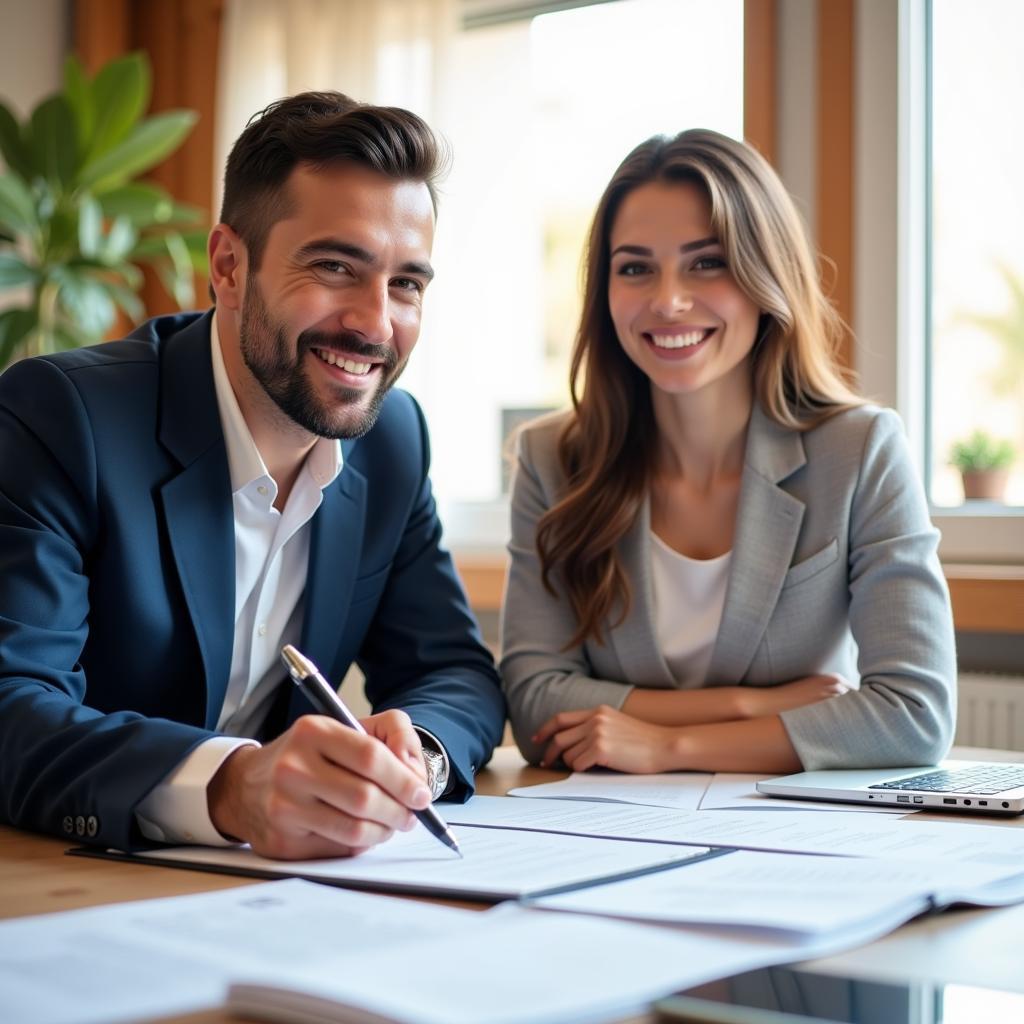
126,298
186,213
11,144
15,271
131,275
119,241
90,226
80,100
149,142
62,243
85,303
65,338
53,145
17,210
195,242
141,203
180,279
120,93
126,273
14,325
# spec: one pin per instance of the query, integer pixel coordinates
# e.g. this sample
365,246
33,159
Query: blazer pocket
367,587
813,565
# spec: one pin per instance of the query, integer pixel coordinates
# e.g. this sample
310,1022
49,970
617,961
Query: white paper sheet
496,865
793,892
519,967
733,791
131,961
686,791
683,790
853,835
421,963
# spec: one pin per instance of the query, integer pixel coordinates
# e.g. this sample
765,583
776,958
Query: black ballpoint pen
322,696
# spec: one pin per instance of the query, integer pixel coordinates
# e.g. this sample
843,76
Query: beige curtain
379,51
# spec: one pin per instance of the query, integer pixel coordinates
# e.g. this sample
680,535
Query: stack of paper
302,952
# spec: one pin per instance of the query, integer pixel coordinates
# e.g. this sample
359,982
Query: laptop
983,787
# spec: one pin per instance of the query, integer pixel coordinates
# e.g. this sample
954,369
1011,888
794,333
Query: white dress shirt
271,560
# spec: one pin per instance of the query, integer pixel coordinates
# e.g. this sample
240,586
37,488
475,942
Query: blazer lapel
197,502
334,554
767,528
634,640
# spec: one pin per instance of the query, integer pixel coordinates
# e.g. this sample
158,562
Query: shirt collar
245,464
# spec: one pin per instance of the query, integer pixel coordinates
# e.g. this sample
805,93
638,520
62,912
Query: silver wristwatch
437,776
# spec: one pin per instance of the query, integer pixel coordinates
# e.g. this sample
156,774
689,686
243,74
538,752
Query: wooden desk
970,947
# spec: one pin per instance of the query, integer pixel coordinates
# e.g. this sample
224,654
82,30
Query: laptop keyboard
984,779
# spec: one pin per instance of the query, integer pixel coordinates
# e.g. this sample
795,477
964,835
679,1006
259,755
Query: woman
721,557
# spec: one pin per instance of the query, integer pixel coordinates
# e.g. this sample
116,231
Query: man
176,506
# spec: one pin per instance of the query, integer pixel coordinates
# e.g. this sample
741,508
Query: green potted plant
984,463
75,225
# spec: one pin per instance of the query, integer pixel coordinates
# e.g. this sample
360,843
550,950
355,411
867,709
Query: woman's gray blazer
834,569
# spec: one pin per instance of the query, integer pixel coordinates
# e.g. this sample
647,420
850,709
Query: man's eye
408,284
330,266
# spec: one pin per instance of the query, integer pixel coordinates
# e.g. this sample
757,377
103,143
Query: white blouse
689,595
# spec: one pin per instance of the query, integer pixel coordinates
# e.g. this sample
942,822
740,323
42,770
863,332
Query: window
539,112
931,237
975,286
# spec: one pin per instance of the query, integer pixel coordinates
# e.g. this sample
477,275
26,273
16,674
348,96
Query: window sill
986,598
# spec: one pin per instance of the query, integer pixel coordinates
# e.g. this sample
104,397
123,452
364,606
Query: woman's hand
758,701
606,738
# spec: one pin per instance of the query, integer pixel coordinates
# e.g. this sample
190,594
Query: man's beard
265,351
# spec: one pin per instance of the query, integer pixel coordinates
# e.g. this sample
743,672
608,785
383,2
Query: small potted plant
984,464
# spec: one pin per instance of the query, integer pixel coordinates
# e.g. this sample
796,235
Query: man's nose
366,311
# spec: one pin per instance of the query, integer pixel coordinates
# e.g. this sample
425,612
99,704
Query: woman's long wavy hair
607,448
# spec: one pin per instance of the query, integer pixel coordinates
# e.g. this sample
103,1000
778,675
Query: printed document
496,864
799,893
294,946
851,835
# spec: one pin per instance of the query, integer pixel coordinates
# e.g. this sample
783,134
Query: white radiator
991,711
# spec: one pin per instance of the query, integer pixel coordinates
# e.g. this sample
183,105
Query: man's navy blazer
117,580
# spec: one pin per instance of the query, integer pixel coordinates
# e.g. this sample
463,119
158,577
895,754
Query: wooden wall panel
101,31
835,204
759,86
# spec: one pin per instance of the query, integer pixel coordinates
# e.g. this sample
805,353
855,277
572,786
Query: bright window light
539,113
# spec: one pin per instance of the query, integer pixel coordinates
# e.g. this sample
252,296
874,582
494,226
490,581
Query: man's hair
319,129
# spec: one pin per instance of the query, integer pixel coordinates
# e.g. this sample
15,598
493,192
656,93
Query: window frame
891,316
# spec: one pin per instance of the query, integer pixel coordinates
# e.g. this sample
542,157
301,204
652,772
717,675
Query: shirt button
262,489
262,630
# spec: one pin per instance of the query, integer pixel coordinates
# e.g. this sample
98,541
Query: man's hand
607,738
322,789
